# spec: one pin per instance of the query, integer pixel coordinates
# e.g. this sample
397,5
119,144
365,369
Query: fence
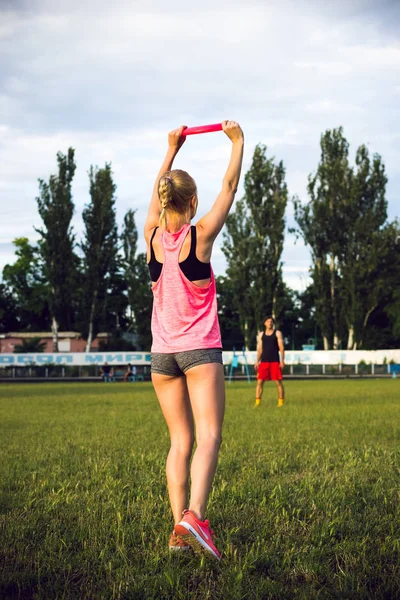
340,370
63,372
84,366
93,372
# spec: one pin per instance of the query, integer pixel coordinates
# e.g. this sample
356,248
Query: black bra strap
193,241
151,242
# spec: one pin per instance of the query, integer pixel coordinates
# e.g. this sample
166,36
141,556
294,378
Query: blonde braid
165,195
175,190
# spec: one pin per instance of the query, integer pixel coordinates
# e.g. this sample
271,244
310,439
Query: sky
110,79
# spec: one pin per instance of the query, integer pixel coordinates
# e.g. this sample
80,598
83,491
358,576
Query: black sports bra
192,268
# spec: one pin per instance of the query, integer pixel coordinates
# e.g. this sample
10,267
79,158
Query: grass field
305,502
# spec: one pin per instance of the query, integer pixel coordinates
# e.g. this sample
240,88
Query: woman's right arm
212,223
175,141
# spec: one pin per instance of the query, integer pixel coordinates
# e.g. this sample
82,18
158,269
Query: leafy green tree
322,225
253,243
129,239
100,252
26,291
34,345
115,319
379,334
287,307
367,249
56,209
136,274
8,311
143,302
237,247
392,307
306,328
228,316
352,244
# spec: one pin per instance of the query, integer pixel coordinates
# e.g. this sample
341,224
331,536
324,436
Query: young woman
186,363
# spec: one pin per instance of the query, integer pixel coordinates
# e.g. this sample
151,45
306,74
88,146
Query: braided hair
175,189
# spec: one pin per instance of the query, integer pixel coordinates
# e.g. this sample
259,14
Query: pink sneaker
177,543
196,533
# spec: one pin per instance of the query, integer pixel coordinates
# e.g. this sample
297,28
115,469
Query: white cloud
329,106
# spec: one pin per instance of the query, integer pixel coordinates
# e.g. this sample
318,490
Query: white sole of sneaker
197,543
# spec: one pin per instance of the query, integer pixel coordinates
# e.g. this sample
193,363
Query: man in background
106,372
269,365
130,373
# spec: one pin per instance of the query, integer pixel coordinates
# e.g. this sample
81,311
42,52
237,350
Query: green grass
305,502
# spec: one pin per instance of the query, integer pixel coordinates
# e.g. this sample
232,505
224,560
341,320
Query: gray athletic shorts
177,363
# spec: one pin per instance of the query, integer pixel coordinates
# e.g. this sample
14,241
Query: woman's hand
233,131
176,139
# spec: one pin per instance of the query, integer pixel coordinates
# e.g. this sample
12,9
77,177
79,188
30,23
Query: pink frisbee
202,129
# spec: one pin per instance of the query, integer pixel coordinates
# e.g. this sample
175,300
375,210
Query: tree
115,319
100,250
26,290
322,225
367,251
32,345
352,245
306,328
143,301
56,209
8,311
129,238
392,306
228,316
136,273
253,243
287,307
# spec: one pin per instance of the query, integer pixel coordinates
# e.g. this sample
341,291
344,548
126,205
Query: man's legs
259,391
281,392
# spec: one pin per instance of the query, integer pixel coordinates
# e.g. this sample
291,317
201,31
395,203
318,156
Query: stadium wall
292,357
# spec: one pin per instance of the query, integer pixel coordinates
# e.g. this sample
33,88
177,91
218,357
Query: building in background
68,341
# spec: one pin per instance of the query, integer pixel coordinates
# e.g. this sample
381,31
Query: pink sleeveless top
184,314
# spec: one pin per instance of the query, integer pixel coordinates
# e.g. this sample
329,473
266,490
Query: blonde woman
186,363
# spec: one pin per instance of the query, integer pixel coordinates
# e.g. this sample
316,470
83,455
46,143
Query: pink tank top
184,314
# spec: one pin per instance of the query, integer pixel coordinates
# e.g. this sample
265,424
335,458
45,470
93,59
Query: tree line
102,282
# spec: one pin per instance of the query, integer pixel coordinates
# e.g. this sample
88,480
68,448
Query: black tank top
192,268
270,348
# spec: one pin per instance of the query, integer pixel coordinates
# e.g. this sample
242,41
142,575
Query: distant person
269,366
186,355
129,372
106,371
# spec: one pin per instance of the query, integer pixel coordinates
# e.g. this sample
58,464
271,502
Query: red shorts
269,371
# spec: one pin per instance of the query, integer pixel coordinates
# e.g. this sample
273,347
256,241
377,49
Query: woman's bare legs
206,388
173,397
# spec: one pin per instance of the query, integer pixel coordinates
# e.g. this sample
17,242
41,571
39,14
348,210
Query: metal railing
93,372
